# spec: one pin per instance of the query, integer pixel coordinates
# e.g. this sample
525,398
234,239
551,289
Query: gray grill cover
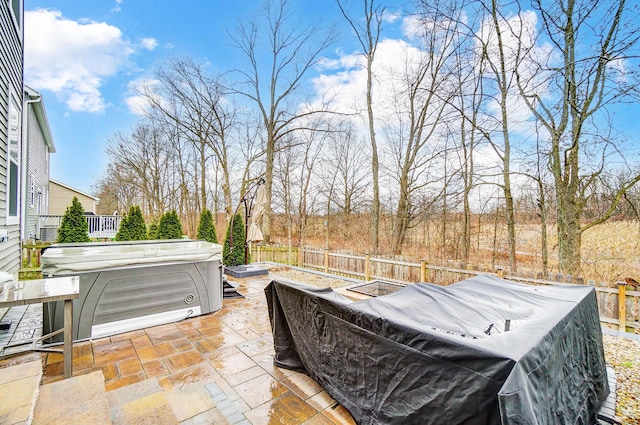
440,355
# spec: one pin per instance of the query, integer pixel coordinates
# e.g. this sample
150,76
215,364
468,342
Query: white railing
100,226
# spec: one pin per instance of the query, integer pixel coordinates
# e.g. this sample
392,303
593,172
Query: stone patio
216,368
212,369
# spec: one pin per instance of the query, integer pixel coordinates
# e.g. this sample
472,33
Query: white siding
11,53
37,184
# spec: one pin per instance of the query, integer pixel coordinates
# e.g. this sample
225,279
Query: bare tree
344,158
368,36
274,80
142,160
115,190
467,103
417,131
569,97
312,144
503,40
465,96
192,102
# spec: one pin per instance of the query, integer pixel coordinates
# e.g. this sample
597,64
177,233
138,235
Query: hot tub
126,286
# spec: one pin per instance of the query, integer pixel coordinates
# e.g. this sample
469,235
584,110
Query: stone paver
81,401
150,410
190,401
20,383
217,368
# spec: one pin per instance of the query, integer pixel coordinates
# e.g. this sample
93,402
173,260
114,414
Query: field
610,251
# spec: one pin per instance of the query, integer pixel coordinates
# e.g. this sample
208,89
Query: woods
506,113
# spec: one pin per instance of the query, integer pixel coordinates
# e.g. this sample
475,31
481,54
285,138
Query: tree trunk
542,205
375,204
402,218
268,178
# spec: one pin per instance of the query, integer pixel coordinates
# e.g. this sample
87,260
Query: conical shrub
206,227
132,227
234,255
169,226
74,227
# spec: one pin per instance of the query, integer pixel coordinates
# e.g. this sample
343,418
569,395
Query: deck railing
100,226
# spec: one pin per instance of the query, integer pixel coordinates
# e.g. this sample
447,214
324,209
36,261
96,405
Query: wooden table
36,291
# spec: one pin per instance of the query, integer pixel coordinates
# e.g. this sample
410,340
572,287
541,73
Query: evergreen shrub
206,227
74,227
132,227
169,226
234,256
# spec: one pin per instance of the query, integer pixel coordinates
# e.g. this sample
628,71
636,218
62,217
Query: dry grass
610,251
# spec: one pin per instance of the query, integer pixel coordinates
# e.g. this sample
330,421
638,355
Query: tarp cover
441,355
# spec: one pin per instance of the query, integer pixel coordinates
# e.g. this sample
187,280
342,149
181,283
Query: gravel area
620,353
314,279
624,356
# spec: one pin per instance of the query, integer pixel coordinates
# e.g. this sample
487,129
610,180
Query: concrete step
19,386
81,400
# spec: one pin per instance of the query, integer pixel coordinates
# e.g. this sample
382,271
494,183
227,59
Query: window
13,162
16,12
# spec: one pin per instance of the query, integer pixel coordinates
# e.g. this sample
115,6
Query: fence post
423,271
299,256
326,260
622,306
367,268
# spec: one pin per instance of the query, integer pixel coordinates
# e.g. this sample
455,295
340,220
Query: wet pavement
215,368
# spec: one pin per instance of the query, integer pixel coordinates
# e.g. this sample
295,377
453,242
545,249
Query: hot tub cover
74,258
441,355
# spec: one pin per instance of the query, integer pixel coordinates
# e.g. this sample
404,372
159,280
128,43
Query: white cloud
391,17
72,58
136,100
344,61
345,81
117,7
149,43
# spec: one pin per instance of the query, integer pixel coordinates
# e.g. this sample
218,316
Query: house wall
37,177
60,198
11,77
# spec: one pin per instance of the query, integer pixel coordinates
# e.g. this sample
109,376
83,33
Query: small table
36,291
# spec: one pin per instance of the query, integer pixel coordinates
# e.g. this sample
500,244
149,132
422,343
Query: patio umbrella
253,233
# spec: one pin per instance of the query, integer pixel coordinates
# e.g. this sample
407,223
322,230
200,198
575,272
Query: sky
86,58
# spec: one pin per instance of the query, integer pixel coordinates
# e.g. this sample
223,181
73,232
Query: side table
36,291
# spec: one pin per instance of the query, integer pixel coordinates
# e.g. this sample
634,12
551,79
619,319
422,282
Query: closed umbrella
253,233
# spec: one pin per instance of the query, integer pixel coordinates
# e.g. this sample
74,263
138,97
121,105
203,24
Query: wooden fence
619,306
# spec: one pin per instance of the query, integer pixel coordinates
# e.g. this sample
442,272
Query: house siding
60,197
37,176
11,78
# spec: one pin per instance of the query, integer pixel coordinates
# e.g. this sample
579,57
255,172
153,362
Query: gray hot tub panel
128,295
